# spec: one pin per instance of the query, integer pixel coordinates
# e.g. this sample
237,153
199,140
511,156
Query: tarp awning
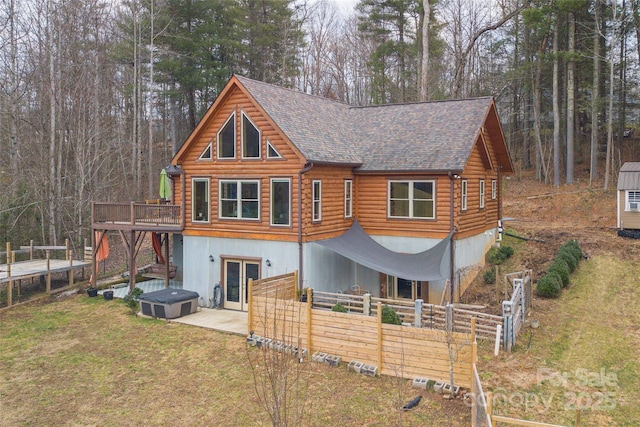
358,246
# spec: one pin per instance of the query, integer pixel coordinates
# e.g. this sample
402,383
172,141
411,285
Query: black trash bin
108,295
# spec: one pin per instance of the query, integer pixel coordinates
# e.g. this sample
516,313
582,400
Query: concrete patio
228,321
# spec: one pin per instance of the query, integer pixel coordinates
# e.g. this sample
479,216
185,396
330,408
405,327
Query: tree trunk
541,165
556,108
607,170
424,69
571,98
150,166
595,95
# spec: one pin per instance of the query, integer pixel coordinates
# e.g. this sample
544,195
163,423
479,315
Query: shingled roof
429,136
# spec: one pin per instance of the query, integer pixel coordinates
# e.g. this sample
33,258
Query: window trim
348,200
494,188
270,146
208,148
195,180
271,200
239,199
464,187
411,183
316,200
242,136
232,116
482,193
627,205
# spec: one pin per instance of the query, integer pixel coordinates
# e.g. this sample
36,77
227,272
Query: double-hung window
494,189
633,200
239,199
317,200
200,196
463,195
481,193
411,199
348,198
280,201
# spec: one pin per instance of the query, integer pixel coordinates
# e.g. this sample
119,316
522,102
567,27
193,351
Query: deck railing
137,213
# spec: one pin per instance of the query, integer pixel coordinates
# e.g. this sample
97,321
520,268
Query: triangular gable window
206,153
227,139
272,153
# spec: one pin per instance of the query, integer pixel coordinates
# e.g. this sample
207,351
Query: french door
237,273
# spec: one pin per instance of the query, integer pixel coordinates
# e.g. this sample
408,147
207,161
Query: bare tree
595,94
424,61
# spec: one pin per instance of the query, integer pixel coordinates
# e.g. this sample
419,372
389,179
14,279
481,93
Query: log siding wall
370,191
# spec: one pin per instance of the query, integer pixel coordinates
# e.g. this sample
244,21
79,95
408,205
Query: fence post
507,324
418,313
380,337
366,304
309,305
249,307
448,317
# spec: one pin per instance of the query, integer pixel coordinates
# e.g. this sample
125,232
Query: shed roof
629,176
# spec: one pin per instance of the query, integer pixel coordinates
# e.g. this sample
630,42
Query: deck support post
132,257
166,260
48,273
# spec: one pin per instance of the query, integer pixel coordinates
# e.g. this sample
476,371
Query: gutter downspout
499,189
451,245
305,169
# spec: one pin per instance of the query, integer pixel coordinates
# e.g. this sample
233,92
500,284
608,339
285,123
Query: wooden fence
396,350
414,313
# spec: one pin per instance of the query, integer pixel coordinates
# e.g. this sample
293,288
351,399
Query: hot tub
169,303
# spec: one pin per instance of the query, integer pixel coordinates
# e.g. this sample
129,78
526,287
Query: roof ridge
296,91
437,101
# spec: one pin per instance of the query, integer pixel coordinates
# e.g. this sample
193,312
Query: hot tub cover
169,296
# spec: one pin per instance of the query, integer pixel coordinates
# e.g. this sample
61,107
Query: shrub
574,247
131,299
548,287
560,266
496,255
390,316
569,258
507,250
489,276
339,308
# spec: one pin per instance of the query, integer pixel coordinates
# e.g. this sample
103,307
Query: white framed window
348,198
633,201
316,209
200,197
494,189
272,153
411,199
239,199
280,201
463,195
481,193
227,138
206,153
250,139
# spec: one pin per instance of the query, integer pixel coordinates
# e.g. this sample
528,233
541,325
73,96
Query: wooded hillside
96,95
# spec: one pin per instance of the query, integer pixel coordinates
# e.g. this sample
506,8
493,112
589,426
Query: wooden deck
137,217
38,267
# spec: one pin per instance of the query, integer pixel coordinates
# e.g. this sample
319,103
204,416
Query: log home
399,200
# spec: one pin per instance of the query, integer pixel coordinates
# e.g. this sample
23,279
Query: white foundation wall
324,270
201,274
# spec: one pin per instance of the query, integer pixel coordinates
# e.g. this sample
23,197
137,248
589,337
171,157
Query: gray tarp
358,246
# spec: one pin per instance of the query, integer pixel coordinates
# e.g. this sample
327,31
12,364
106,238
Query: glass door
236,282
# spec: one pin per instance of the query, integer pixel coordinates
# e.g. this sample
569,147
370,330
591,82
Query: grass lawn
584,356
86,361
